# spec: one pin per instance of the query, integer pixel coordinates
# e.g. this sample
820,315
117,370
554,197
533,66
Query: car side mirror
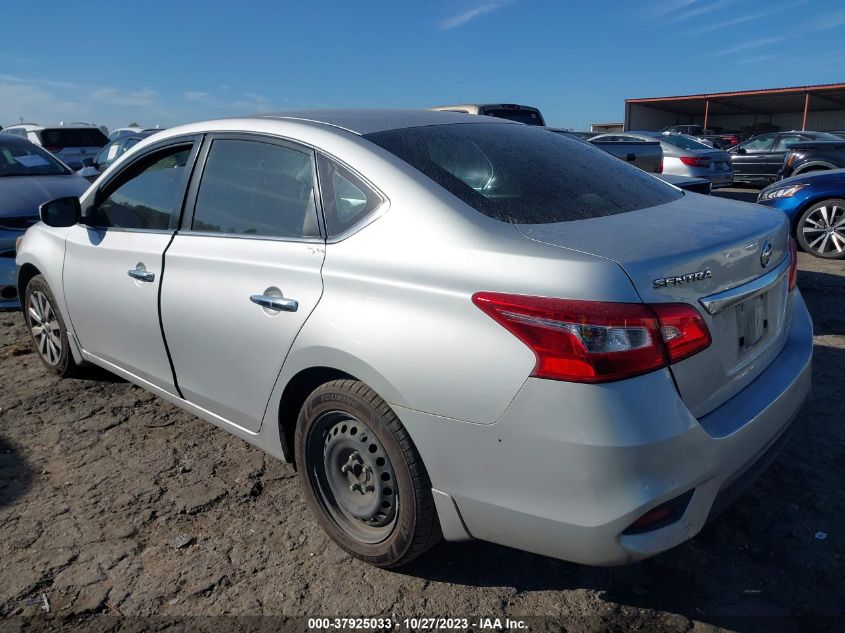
741,151
88,162
61,211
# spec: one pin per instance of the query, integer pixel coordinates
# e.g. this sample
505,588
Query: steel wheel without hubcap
362,475
822,229
45,327
353,476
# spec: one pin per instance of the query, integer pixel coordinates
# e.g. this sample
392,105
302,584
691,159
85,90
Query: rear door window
255,188
523,174
784,141
759,144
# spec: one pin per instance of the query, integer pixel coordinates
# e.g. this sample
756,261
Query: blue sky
172,62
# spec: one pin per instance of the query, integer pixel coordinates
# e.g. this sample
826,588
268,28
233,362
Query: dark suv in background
758,160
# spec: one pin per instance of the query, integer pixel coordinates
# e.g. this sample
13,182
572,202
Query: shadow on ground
743,195
765,564
818,288
15,473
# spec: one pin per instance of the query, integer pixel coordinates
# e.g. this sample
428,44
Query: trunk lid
688,250
720,160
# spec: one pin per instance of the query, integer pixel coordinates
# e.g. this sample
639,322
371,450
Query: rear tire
47,328
363,477
821,229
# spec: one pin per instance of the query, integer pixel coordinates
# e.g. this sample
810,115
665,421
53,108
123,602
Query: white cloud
667,7
115,96
701,8
253,102
462,18
34,104
763,41
196,95
825,21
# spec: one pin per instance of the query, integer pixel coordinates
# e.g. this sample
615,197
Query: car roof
509,106
369,121
31,127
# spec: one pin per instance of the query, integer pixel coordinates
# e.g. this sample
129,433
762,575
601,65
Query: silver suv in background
71,144
510,111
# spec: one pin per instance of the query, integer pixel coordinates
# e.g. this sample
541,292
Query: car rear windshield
683,142
58,139
26,159
529,117
523,174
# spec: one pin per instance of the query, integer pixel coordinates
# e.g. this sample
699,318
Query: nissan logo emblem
765,254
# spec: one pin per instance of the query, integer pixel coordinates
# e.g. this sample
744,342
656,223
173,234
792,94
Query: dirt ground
114,503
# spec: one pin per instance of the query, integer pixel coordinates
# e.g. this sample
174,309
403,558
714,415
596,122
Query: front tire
363,477
47,328
821,229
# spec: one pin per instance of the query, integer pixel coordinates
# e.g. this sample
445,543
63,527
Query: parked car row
456,328
709,137
71,144
29,176
682,155
124,140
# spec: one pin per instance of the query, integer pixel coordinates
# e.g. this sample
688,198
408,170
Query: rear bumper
569,466
721,179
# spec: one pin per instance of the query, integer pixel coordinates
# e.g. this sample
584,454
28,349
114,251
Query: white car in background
71,143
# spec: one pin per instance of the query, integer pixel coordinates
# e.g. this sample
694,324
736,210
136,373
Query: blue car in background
815,204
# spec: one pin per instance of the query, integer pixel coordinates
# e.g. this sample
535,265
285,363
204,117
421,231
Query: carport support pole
806,107
706,113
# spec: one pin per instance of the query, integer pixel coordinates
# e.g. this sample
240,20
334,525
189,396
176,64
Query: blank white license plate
752,318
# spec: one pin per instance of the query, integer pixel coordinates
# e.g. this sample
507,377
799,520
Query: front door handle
275,303
141,275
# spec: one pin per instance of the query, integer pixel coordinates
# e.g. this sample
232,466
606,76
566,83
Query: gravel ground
115,503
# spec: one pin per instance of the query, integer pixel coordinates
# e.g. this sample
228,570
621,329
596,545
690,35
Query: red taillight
593,341
695,161
793,264
660,166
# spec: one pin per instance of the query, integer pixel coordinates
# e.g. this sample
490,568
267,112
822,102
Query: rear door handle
275,303
141,275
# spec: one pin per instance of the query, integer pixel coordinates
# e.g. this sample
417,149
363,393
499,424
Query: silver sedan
684,156
454,326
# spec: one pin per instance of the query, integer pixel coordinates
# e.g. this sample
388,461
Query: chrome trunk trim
721,301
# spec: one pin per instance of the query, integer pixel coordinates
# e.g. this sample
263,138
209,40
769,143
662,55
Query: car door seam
161,320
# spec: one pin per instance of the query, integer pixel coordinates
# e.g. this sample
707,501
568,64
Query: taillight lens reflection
684,331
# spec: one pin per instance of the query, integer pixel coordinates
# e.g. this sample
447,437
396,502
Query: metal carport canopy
770,101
